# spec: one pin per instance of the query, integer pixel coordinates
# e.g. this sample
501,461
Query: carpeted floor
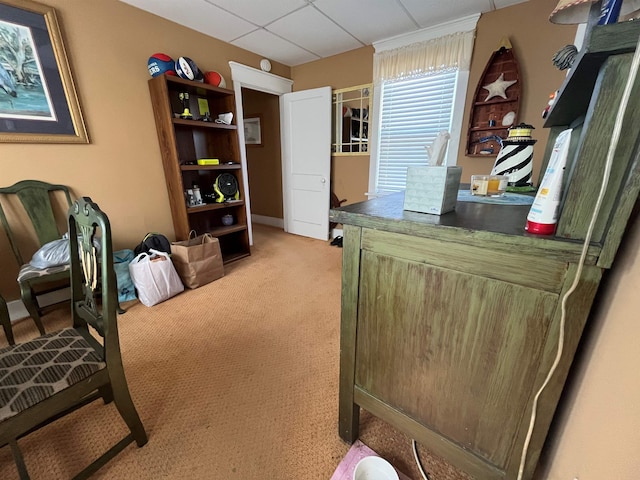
235,380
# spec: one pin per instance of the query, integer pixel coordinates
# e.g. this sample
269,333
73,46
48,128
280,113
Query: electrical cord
415,454
585,246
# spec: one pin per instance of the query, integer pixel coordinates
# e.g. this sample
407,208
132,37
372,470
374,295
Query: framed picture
38,100
252,130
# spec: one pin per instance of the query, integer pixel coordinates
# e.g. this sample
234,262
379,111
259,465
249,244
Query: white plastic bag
51,254
154,277
56,252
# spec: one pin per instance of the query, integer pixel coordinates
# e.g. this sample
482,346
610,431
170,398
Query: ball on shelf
215,79
187,68
160,63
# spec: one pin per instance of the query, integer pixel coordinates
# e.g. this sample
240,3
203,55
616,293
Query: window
420,83
413,112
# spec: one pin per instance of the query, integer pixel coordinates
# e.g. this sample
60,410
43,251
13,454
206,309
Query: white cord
585,246
415,454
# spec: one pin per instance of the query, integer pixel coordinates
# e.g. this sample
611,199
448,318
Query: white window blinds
413,112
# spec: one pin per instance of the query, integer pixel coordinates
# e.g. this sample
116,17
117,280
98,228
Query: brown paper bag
198,260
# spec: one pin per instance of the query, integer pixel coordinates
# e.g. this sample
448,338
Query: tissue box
432,189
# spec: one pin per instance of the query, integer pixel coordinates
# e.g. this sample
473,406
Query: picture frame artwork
252,130
38,99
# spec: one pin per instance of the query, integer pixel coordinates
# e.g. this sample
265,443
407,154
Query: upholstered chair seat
34,371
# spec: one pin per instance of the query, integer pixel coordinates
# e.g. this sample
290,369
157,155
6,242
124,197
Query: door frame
244,76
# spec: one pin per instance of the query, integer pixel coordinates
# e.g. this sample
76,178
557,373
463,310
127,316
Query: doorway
248,78
305,149
264,157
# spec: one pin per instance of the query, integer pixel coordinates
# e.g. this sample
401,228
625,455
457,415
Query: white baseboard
18,311
271,221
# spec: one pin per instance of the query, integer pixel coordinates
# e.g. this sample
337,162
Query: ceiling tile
275,48
312,31
369,20
305,30
200,16
260,13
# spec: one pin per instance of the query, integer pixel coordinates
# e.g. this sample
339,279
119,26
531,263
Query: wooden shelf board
480,129
495,101
214,206
221,231
232,257
574,95
201,124
223,166
197,85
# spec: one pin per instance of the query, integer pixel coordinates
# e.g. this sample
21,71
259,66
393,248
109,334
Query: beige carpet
235,380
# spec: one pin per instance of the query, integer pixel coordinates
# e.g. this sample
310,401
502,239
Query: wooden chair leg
19,460
5,320
106,393
26,294
124,404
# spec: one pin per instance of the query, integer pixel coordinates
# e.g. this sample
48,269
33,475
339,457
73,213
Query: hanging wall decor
253,130
494,107
38,100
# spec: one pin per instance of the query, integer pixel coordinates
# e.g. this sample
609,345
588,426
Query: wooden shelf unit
483,111
182,143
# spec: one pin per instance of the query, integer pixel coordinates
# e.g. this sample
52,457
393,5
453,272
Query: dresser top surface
503,219
470,222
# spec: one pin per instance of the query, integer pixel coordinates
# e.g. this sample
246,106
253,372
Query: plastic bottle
197,197
543,214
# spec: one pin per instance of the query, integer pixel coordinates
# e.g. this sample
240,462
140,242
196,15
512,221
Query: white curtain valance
447,52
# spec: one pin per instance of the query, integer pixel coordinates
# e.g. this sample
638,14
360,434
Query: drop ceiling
294,32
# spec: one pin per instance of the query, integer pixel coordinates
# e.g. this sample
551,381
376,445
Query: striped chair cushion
33,371
28,272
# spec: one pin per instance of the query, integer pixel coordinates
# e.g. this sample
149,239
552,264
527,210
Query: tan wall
597,431
108,43
264,163
349,174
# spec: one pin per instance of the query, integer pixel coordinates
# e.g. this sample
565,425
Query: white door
306,161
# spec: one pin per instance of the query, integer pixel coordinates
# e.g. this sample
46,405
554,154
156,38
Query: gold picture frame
38,99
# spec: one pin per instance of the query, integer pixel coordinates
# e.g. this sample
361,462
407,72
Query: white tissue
437,150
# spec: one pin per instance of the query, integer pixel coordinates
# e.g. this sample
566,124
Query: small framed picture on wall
252,130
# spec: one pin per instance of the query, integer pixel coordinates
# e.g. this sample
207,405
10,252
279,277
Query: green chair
52,375
33,202
6,321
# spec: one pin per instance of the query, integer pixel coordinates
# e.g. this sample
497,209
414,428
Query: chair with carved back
52,375
42,207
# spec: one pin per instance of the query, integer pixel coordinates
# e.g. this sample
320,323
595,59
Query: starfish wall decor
498,88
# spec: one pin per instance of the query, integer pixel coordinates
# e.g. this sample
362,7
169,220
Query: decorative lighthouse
515,159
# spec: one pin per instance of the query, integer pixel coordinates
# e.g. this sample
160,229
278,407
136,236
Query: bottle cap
540,228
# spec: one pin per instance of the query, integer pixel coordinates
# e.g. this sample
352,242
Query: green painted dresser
450,323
